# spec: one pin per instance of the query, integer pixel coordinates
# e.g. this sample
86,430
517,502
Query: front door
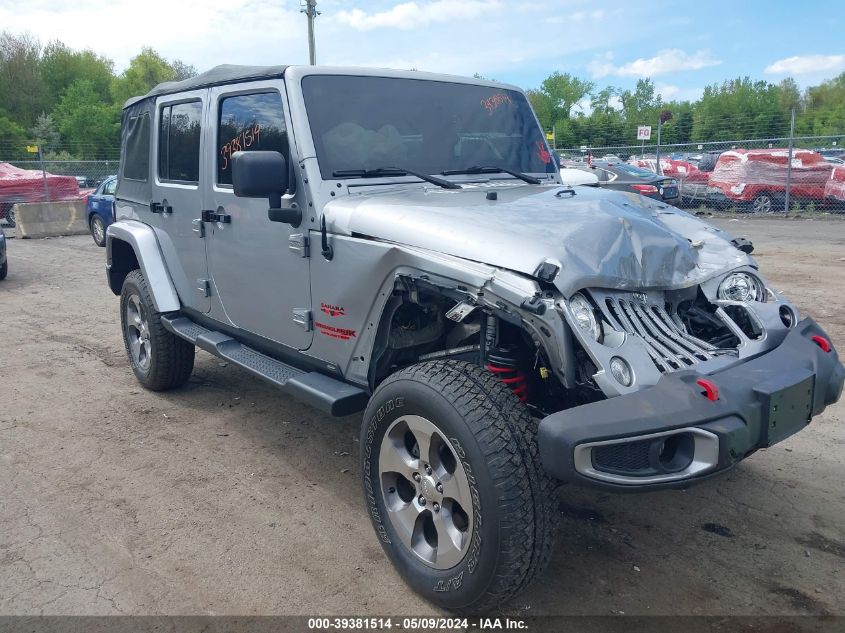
262,283
181,176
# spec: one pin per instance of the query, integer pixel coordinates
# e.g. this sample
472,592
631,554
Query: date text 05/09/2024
415,624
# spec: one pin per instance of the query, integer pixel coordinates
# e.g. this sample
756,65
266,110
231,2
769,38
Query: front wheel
454,486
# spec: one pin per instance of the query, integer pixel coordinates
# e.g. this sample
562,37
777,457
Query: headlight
742,287
584,315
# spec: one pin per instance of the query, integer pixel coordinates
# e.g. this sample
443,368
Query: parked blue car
99,209
4,264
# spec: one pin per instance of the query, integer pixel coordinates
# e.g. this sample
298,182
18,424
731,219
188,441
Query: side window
248,123
179,142
136,164
109,188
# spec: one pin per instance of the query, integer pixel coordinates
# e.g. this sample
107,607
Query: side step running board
318,390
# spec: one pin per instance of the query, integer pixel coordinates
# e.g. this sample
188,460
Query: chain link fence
49,179
759,175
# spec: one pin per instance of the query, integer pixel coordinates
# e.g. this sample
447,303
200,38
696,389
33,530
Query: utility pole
665,115
310,10
657,169
789,163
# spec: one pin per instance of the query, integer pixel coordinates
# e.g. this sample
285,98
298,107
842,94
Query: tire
762,203
4,270
98,229
10,216
160,359
490,436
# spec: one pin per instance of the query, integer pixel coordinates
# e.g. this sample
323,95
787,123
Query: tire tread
506,434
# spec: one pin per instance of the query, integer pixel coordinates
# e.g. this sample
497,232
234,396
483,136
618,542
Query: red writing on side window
492,102
246,139
543,152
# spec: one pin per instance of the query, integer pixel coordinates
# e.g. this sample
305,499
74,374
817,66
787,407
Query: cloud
669,92
669,60
806,65
578,16
411,15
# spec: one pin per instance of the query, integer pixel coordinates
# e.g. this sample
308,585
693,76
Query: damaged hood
598,238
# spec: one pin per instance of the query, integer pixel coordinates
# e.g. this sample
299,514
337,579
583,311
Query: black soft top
217,76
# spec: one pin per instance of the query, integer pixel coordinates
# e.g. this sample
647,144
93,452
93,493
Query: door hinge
298,243
302,317
204,287
198,227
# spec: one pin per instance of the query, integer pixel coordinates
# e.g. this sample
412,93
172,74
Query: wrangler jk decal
344,334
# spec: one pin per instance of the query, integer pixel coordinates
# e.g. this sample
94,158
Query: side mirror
264,174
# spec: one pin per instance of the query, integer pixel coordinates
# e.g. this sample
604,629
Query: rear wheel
98,230
10,216
454,486
160,359
4,270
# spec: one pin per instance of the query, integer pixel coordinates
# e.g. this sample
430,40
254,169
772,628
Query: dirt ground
226,497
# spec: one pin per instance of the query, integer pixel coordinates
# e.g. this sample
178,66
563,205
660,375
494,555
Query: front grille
628,458
669,345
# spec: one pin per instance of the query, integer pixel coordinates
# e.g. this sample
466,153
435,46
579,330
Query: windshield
365,123
639,172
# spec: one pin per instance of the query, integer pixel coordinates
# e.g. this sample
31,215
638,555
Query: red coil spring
513,378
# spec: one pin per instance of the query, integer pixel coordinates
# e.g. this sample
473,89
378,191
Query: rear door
260,274
181,155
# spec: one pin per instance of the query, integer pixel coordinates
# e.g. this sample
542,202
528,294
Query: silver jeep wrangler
401,243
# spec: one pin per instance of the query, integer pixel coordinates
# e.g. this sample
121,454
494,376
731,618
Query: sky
682,45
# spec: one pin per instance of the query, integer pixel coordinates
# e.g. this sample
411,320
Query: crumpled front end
695,381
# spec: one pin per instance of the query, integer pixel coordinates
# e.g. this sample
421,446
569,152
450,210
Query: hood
598,238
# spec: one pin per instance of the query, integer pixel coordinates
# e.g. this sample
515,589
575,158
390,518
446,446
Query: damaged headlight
742,287
585,316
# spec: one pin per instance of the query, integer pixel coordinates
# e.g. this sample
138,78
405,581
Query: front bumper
671,434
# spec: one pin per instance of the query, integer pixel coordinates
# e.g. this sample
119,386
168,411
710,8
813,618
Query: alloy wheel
138,333
426,492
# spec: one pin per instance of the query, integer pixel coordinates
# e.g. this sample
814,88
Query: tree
183,71
641,105
12,139
62,66
740,109
145,71
23,94
45,133
825,108
563,91
90,127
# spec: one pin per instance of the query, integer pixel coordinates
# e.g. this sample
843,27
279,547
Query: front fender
131,244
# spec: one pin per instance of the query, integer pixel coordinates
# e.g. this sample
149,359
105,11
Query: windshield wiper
380,172
492,169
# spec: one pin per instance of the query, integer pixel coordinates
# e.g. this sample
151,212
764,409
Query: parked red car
834,189
29,185
756,178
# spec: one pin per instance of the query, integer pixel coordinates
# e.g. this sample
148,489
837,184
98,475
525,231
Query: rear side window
248,123
136,164
179,142
108,190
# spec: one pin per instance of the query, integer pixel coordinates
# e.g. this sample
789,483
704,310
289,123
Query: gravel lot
225,497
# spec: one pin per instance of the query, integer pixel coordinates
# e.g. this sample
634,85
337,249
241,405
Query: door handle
216,216
160,207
